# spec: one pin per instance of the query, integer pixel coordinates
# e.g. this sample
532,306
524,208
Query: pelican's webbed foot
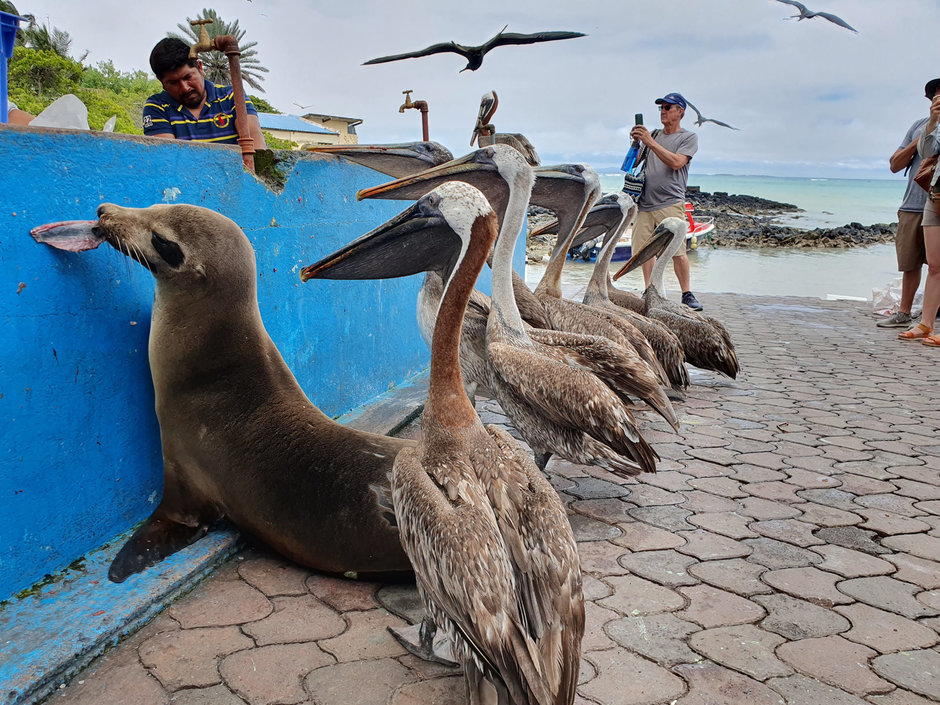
423,641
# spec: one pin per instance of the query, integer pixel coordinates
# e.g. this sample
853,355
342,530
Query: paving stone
189,658
220,604
593,588
717,456
664,567
711,684
343,594
296,619
920,545
611,510
860,485
358,683
634,596
802,690
440,691
798,619
593,488
366,638
588,529
931,598
771,461
599,558
596,619
917,490
763,509
638,536
890,524
811,584
109,680
885,632
273,575
744,648
913,670
821,515
912,569
777,554
711,607
700,468
670,518
669,481
700,502
836,498
628,679
853,537
810,480
835,661
659,637
721,486
215,695
791,531
891,504
851,564
899,697
931,506
888,594
734,574
272,675
706,546
775,492
730,524
755,473
402,600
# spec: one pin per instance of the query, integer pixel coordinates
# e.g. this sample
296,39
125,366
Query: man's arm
673,160
902,157
927,144
254,129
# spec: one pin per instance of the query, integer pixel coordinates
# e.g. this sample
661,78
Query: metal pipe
421,105
229,46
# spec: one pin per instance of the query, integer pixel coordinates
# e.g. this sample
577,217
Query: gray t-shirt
666,186
914,197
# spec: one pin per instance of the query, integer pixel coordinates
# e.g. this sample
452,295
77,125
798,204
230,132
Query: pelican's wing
835,19
517,38
462,566
433,49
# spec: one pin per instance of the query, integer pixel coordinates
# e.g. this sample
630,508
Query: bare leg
680,263
932,286
909,283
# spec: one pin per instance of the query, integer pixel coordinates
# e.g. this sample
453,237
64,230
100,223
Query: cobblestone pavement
788,551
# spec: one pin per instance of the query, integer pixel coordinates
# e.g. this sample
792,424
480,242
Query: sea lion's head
178,241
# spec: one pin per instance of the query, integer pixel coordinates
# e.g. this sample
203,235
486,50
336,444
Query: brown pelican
564,393
474,54
571,201
485,131
494,556
809,14
663,341
706,342
701,120
395,160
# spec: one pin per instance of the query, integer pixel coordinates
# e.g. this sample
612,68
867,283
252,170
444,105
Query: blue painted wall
79,442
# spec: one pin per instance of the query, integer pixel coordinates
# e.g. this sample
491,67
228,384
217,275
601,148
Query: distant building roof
291,123
321,117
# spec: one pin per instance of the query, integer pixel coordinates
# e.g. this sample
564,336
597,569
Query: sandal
932,341
918,332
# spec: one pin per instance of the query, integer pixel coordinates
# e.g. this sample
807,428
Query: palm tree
216,63
9,7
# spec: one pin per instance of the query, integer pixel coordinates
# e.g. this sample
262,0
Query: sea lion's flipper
157,538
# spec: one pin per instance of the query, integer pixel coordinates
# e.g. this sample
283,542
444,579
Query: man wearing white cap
667,173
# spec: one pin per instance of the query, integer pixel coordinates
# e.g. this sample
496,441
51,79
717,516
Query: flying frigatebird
806,14
474,54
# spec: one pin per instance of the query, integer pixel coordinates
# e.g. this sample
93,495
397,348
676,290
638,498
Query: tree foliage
263,106
216,63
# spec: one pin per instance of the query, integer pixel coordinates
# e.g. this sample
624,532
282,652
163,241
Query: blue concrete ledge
51,631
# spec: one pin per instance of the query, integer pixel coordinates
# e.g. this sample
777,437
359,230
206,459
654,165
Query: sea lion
240,439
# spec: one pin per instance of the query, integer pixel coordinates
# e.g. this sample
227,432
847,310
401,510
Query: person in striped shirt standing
190,106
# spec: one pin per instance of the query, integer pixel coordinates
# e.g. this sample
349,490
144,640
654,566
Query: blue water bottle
630,160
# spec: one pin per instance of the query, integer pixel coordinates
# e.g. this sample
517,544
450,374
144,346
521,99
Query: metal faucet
204,43
421,105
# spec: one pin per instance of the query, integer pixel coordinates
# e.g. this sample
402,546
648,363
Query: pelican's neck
599,277
448,405
659,268
570,221
504,301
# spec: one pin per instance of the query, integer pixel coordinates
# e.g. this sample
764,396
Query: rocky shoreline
747,221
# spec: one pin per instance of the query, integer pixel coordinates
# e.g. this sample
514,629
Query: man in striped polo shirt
191,107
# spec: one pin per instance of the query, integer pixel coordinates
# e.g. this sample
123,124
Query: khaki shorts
931,219
909,242
646,222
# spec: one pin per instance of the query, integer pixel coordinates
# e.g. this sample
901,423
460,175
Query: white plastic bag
67,111
885,300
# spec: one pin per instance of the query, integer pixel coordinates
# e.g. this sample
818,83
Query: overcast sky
810,98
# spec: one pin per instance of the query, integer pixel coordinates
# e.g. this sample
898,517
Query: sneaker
897,319
688,298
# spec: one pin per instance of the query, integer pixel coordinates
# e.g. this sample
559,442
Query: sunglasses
667,106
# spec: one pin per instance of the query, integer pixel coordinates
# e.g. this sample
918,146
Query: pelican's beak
662,236
470,168
407,244
395,160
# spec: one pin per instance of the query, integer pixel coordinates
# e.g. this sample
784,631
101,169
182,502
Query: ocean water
825,202
817,272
